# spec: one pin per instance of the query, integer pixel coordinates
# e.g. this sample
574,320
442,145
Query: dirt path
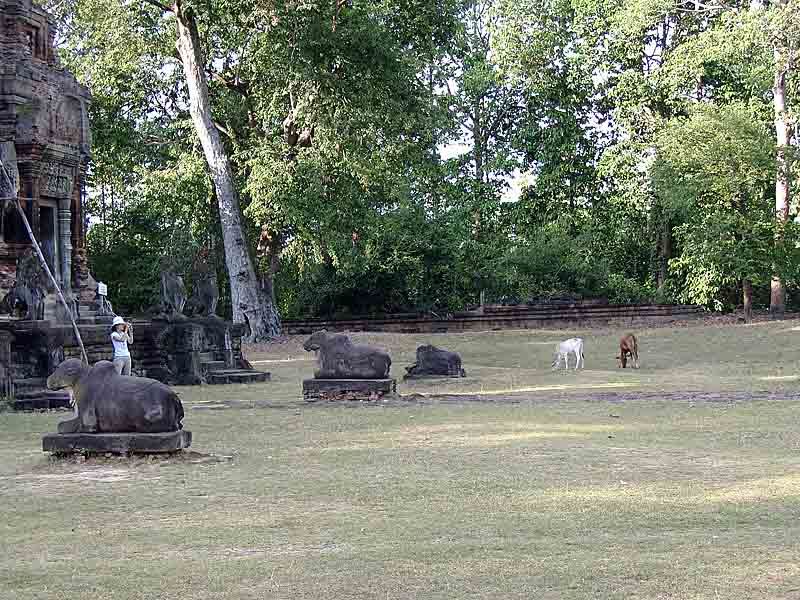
620,397
520,398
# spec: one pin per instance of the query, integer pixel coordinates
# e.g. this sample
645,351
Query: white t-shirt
120,343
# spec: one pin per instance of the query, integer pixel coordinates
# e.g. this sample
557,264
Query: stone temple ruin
44,147
45,151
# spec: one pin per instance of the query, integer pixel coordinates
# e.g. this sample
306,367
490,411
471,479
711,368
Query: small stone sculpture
111,403
12,304
173,293
433,361
339,358
205,290
205,296
32,285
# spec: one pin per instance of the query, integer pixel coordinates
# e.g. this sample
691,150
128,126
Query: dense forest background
399,155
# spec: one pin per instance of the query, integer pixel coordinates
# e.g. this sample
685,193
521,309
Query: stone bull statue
112,403
339,358
434,362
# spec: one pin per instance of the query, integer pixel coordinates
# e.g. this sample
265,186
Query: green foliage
715,169
168,215
628,119
719,157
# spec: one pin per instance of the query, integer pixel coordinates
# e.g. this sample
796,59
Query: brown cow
628,346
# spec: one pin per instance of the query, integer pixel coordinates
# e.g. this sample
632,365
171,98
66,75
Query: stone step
30,384
237,376
213,365
207,357
53,394
43,400
94,320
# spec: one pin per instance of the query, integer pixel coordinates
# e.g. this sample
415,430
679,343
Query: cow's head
67,374
314,343
622,360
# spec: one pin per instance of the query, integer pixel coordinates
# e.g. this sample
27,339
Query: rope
44,263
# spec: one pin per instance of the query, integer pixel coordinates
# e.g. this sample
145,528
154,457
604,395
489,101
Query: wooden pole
22,214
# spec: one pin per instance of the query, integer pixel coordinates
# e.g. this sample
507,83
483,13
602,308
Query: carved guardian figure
339,358
32,285
112,403
205,296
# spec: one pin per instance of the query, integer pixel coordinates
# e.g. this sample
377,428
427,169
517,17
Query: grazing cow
567,347
628,346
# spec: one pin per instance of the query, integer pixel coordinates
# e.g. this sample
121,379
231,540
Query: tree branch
157,4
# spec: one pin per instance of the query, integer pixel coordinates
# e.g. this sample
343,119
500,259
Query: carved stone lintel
57,180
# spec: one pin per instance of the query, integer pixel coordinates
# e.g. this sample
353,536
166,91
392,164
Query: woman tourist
121,336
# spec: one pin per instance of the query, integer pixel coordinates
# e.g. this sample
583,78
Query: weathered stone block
117,443
348,389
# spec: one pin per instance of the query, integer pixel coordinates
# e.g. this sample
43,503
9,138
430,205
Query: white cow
567,347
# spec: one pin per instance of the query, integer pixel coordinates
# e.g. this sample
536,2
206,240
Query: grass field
558,485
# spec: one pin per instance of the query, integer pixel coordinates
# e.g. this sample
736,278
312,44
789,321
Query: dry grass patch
546,499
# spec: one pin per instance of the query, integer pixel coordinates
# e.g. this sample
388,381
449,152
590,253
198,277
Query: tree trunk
477,138
268,278
747,300
250,305
665,253
777,300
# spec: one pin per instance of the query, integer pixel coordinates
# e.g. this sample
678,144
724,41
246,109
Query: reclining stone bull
112,403
339,358
435,362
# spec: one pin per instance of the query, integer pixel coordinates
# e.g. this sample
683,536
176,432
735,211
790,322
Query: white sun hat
117,321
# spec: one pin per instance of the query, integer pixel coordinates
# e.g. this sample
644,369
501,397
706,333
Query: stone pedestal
348,389
412,376
116,443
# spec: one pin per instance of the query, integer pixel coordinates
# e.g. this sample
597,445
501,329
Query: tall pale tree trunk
747,300
250,304
777,300
664,251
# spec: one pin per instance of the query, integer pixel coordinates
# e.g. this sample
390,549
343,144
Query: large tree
785,37
714,168
249,303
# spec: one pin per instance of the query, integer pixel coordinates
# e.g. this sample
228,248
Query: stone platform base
41,400
237,376
413,376
116,443
348,389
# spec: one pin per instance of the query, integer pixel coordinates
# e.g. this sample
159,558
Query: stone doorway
48,236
